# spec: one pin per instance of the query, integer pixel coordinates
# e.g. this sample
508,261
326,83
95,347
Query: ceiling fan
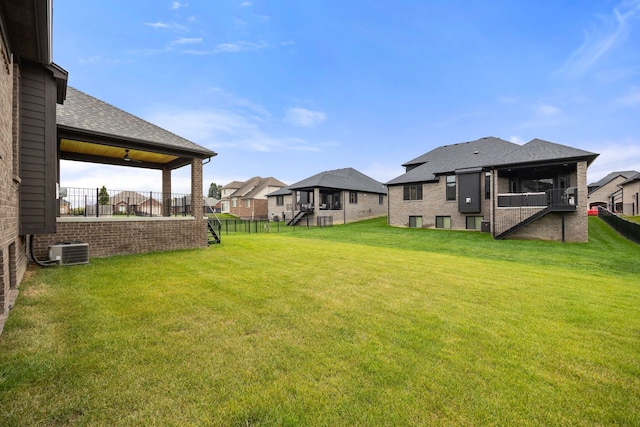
126,158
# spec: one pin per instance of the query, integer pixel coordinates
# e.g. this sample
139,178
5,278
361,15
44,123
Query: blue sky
292,88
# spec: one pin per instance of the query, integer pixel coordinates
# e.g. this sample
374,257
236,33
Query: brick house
534,191
607,192
30,87
43,121
630,190
337,196
248,199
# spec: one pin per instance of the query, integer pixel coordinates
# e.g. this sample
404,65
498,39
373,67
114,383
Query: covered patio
90,130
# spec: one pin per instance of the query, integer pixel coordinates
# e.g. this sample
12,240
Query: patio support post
196,188
316,201
166,191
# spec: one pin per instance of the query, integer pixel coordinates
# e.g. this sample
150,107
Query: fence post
97,203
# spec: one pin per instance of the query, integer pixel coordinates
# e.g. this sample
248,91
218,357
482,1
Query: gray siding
38,145
469,193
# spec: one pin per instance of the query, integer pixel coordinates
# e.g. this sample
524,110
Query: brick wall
126,236
13,261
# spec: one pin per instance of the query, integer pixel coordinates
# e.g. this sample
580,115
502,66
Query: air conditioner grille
69,253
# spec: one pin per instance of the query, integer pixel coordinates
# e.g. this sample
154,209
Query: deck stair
297,217
213,230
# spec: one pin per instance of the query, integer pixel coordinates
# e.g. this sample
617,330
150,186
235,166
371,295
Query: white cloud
548,110
246,4
614,156
240,46
302,117
185,40
216,128
163,25
100,60
610,32
156,25
177,5
516,139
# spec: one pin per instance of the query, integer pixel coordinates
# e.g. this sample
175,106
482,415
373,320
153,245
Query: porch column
316,201
196,188
166,191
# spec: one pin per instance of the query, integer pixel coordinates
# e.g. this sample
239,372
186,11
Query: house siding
603,194
38,146
631,198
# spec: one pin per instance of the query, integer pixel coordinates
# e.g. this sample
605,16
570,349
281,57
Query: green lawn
351,325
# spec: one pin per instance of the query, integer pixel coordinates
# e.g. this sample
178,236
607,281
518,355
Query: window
279,200
451,187
353,197
474,222
234,202
487,185
247,203
413,192
443,222
381,199
415,221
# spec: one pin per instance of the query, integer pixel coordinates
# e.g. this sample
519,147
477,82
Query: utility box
69,253
485,226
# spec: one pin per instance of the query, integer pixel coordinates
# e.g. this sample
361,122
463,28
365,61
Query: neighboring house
225,196
607,192
30,87
248,200
211,205
338,197
630,190
534,191
280,204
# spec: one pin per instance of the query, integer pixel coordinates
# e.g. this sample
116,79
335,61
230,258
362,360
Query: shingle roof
341,179
86,114
635,177
484,152
610,177
538,150
284,191
449,158
262,184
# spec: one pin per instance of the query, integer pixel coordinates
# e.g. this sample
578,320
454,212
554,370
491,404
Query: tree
214,190
103,196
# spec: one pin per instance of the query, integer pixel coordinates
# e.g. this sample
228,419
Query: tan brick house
630,190
607,192
337,196
533,191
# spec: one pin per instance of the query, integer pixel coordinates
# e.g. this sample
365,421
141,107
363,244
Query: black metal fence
265,226
630,230
96,202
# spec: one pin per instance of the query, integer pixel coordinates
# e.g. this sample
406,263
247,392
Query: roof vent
475,152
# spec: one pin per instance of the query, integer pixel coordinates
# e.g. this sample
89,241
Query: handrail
96,202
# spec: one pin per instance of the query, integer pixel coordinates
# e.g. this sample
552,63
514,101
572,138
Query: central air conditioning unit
69,253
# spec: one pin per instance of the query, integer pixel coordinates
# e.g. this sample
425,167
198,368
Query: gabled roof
538,150
284,191
449,158
610,177
232,184
341,179
484,153
92,130
634,178
251,187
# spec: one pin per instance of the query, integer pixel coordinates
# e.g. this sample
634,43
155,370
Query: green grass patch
360,324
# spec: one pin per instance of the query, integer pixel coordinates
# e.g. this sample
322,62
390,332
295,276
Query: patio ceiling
91,130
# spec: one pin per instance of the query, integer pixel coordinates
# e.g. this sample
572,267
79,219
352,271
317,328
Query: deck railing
94,202
554,197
